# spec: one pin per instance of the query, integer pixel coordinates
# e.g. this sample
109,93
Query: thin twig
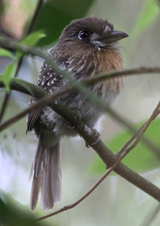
19,63
155,113
96,101
87,193
125,152
126,72
7,95
151,216
34,18
50,98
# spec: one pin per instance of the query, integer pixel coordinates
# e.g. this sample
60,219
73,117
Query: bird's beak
114,36
109,37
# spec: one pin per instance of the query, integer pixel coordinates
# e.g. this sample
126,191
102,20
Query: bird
86,48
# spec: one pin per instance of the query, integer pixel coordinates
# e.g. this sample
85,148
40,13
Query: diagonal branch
21,85
86,194
34,18
7,95
104,153
125,152
142,130
126,72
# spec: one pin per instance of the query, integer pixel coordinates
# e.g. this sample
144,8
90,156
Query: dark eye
83,35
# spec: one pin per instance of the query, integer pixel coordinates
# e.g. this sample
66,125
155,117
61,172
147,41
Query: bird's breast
93,63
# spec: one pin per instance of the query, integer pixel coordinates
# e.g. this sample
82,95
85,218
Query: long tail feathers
47,176
36,184
51,178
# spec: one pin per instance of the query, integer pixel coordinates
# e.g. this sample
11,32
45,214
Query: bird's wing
51,82
32,117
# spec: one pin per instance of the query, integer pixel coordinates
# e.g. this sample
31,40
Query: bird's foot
97,138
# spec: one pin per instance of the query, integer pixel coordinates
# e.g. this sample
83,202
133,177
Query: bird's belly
88,110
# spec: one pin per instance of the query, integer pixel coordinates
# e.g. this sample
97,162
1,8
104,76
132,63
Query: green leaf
141,158
13,213
8,74
146,17
19,54
6,53
33,38
55,15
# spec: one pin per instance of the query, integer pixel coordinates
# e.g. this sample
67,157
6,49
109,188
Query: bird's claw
97,138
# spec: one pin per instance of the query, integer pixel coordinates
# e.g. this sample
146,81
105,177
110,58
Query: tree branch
155,113
104,153
126,72
125,152
86,194
34,18
32,89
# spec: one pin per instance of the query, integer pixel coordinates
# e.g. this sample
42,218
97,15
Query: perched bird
86,48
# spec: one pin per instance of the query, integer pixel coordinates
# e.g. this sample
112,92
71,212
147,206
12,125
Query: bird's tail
46,170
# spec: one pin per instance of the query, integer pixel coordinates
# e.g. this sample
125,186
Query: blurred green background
115,201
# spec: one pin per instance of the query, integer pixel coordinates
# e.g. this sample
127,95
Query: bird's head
91,32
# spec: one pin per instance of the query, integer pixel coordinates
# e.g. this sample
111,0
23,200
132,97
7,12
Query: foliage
54,16
141,159
147,17
13,213
10,70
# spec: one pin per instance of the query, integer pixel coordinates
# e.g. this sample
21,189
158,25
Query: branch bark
122,153
104,153
37,92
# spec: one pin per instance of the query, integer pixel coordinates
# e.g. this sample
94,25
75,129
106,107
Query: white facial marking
96,42
107,28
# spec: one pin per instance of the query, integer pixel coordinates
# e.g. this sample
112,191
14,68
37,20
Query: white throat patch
95,42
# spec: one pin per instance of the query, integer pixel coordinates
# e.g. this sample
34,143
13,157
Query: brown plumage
86,48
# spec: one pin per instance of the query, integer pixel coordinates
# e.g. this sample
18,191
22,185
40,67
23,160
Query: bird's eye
82,35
